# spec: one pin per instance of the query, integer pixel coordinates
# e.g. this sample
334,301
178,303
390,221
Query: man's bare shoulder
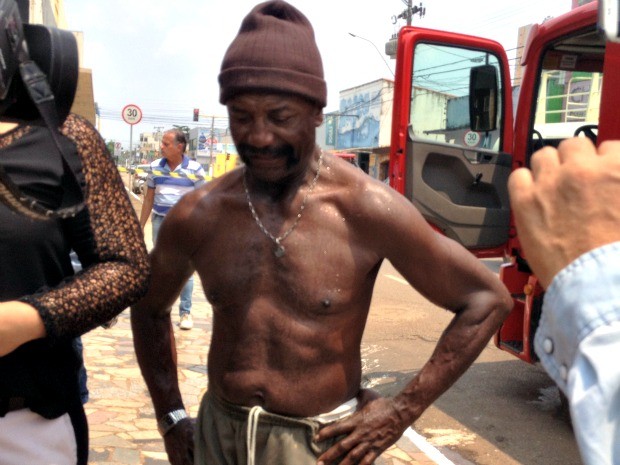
359,193
372,209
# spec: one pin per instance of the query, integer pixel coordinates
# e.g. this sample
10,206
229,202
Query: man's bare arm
154,338
154,341
480,303
452,278
147,206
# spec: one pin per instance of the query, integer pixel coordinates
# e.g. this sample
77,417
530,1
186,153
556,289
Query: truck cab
460,128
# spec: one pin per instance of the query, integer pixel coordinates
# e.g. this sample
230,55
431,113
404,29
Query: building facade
149,148
52,13
362,126
206,142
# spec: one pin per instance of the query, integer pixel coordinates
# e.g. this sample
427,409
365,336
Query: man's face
274,134
170,149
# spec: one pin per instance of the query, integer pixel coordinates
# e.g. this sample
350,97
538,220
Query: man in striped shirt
170,178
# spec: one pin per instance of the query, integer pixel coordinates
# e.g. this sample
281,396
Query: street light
379,52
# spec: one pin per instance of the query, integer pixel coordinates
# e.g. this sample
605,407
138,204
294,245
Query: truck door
451,133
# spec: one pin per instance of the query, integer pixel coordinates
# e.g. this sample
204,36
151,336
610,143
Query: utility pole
412,10
211,141
157,135
158,132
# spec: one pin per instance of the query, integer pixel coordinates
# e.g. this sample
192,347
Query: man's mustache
250,151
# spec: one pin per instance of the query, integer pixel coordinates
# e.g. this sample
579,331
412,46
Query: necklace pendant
279,251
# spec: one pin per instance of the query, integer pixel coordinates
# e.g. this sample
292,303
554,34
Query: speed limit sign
132,114
471,138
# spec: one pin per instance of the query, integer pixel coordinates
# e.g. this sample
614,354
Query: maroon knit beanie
274,52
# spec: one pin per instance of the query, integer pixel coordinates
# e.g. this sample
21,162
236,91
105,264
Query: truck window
439,108
569,91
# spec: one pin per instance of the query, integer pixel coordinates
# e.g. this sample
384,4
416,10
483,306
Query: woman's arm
108,240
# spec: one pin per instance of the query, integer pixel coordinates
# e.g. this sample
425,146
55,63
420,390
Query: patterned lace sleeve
117,271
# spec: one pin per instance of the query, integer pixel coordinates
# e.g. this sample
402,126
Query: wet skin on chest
279,322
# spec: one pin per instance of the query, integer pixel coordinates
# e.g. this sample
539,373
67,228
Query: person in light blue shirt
171,177
568,222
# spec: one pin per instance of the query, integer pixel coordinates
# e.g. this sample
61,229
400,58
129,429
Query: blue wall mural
358,120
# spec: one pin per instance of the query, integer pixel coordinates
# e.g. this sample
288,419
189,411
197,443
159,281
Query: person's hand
375,426
567,204
179,443
19,323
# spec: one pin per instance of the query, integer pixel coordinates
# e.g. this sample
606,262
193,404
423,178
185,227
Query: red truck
456,139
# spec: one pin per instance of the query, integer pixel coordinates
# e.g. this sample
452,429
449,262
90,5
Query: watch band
169,420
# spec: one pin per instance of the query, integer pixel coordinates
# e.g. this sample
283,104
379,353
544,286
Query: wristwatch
169,420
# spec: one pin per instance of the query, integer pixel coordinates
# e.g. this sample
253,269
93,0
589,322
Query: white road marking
398,279
137,197
431,451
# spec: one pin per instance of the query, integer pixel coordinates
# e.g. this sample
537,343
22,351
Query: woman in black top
44,306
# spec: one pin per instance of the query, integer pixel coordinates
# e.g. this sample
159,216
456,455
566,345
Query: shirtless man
288,249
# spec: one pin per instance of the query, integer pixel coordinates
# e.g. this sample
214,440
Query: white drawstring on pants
251,433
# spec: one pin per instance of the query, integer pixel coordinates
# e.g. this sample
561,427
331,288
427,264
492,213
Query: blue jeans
186,293
82,375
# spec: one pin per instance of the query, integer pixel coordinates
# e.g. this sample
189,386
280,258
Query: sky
164,56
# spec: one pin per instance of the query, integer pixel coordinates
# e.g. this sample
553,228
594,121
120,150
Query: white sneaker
186,321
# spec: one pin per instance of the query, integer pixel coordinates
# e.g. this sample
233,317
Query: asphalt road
502,411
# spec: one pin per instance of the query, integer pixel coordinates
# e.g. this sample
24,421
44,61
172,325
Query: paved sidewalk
120,414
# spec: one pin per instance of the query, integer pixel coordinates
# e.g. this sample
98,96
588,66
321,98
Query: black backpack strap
73,201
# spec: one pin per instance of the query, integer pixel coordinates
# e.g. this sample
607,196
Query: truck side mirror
609,19
483,98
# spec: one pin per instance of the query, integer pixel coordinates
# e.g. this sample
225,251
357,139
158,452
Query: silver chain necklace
279,249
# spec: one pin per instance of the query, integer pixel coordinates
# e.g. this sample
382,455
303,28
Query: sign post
131,115
117,150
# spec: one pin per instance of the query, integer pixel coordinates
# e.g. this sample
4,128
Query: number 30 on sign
471,138
132,114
